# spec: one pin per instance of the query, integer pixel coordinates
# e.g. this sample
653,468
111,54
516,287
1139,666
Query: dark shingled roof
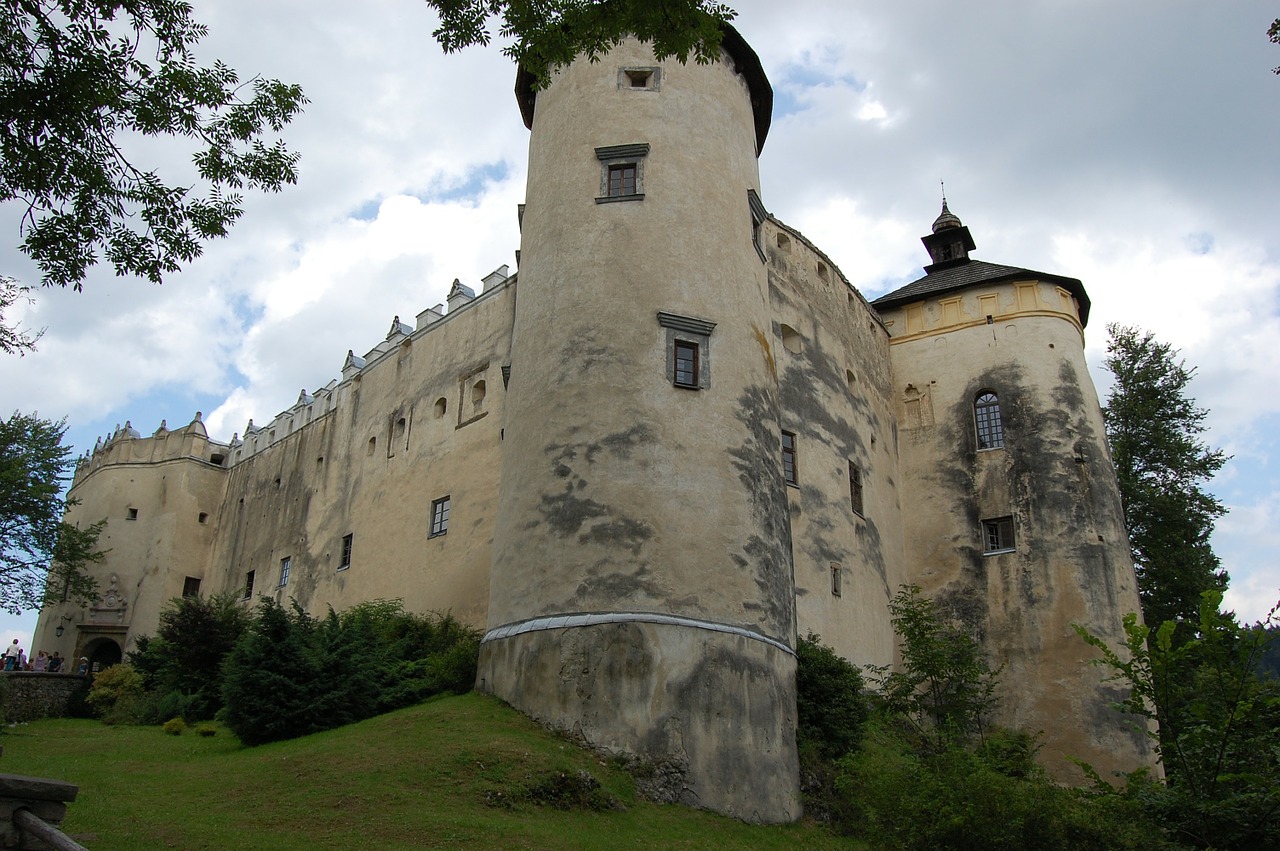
745,61
971,273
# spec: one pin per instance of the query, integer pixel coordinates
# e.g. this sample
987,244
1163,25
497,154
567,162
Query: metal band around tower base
600,618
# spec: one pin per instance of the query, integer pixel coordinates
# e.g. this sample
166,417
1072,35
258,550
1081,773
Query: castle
674,441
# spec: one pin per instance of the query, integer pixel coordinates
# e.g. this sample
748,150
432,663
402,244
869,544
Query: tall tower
1016,526
641,591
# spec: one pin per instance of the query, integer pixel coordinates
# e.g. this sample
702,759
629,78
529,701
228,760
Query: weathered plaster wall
1053,475
835,382
371,468
154,537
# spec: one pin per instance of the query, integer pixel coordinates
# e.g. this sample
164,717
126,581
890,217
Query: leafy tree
554,33
945,686
1161,463
79,79
14,340
42,559
830,703
1218,724
269,680
193,638
1274,34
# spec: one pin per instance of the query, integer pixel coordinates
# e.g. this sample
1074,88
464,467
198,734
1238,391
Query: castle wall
407,430
160,529
832,357
1069,561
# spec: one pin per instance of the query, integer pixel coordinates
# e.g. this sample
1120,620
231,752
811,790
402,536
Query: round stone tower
642,594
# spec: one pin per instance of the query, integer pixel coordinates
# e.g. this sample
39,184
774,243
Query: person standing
41,663
11,656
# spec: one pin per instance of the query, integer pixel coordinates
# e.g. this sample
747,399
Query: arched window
986,413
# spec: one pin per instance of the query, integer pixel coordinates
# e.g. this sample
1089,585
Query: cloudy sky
1131,145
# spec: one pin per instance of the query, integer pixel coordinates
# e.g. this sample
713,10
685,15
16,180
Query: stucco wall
1070,561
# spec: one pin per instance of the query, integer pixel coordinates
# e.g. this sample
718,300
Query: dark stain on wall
768,553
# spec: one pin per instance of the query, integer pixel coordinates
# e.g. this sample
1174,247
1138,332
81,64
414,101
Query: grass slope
453,771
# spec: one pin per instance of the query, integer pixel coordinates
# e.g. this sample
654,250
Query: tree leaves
1161,463
550,33
79,81
41,557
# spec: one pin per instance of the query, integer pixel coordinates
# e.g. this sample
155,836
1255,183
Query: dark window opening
855,488
191,587
203,517
789,458
836,580
622,180
248,585
639,78
997,535
133,514
986,414
439,517
686,363
347,541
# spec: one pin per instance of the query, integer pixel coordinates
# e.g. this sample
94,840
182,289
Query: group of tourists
15,659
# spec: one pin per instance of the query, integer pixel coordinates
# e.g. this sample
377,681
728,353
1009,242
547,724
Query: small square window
688,350
686,364
855,488
285,564
439,517
997,535
644,79
622,172
347,541
622,180
789,458
133,514
191,587
203,517
248,585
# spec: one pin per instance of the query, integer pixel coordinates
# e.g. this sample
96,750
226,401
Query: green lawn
450,772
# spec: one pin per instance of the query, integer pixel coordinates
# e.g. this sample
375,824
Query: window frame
988,421
286,564
790,462
440,516
191,586
685,376
856,494
998,536
249,578
618,158
688,333
348,545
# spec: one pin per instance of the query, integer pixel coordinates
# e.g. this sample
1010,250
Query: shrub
830,703
115,693
175,726
206,730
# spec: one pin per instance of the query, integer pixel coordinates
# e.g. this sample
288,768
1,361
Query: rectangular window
133,514
285,563
347,541
622,179
997,535
191,587
439,517
789,458
855,488
622,172
248,585
836,580
686,361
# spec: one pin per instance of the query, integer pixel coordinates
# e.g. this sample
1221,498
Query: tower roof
746,63
949,245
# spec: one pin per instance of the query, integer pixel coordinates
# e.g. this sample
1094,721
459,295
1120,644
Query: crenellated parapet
126,445
311,407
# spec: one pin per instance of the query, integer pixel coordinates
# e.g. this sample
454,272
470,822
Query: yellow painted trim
975,323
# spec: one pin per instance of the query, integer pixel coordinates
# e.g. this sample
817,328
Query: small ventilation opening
638,78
